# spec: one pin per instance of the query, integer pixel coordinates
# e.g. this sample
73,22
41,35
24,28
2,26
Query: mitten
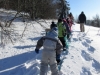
37,51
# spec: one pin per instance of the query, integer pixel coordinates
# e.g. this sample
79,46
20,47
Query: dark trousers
62,41
68,36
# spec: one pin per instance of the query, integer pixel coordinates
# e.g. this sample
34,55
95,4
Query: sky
19,57
90,7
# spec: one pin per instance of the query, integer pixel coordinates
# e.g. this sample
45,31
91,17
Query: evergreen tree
63,9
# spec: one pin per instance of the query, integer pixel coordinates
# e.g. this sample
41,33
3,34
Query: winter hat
82,12
53,25
59,20
53,33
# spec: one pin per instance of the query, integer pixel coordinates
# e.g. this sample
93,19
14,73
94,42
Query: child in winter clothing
61,32
52,46
69,21
68,31
57,56
71,17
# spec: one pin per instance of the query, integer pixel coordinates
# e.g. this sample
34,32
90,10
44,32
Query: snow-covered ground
20,58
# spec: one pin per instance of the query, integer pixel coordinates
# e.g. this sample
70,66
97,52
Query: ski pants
82,27
62,41
48,57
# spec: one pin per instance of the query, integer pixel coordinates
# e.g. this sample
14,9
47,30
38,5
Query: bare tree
96,20
28,9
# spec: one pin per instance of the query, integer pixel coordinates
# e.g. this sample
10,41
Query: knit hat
53,33
53,25
59,20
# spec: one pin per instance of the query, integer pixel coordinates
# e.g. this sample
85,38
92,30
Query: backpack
49,44
50,41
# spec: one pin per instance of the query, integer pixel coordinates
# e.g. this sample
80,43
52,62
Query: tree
63,8
97,20
38,8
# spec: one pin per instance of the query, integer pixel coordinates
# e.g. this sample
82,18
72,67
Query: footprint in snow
96,65
86,56
85,71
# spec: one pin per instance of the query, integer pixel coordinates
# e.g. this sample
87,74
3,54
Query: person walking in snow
71,17
69,22
82,20
61,32
52,48
68,31
51,26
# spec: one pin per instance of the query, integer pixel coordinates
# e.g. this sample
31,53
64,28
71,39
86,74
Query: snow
20,58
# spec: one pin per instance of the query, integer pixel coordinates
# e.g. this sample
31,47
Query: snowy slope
84,53
20,59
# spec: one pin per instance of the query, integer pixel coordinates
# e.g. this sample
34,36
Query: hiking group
55,42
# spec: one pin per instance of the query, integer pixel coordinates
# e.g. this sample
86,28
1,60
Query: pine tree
64,9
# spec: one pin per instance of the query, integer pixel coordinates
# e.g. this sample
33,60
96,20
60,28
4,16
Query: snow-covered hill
20,58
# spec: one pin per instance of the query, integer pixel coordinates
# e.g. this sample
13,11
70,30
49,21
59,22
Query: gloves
37,51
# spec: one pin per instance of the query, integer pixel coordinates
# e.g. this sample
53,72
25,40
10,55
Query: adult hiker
82,21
